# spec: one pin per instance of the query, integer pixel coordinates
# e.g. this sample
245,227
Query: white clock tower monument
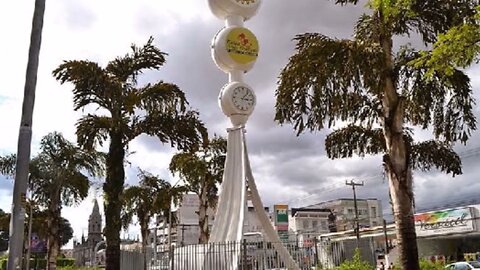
235,50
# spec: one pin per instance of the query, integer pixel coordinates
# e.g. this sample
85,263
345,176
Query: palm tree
380,93
202,171
59,176
152,196
158,109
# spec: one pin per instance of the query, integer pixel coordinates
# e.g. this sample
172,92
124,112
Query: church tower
95,225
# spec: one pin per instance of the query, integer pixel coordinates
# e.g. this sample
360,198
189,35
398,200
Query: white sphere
224,8
237,101
235,48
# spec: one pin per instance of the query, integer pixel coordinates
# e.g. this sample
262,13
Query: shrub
355,264
62,262
428,265
77,268
3,264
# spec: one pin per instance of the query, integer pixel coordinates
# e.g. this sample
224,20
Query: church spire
95,224
96,209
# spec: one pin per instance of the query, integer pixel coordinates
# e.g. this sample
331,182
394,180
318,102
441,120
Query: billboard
280,214
448,221
37,244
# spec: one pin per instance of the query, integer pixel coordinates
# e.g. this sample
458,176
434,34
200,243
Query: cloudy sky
288,169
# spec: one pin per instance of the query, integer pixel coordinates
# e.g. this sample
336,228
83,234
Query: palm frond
457,48
442,100
323,68
7,165
75,188
93,129
91,83
131,65
428,154
62,168
433,17
183,131
345,142
157,98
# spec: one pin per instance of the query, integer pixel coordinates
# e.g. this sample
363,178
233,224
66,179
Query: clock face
243,98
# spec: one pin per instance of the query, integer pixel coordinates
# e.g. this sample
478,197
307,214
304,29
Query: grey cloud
6,183
77,15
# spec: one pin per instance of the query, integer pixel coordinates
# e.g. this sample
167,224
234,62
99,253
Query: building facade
370,212
184,230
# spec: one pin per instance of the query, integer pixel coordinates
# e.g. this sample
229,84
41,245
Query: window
324,225
305,224
314,224
373,211
350,211
474,264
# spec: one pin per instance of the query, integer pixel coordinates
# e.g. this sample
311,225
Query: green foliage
114,88
7,165
3,264
428,265
330,81
62,167
152,196
202,169
157,109
458,47
375,93
4,230
58,176
355,264
78,268
65,262
39,227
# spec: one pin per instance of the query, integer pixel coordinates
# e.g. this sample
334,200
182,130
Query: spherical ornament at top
224,8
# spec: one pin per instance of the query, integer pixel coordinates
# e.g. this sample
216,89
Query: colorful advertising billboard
281,220
448,221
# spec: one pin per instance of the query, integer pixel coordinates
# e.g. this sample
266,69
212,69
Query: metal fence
247,255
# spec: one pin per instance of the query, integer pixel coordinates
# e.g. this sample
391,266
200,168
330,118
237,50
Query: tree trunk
113,189
53,225
202,216
15,245
396,162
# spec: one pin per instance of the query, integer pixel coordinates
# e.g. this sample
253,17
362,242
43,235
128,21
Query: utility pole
386,236
15,244
357,223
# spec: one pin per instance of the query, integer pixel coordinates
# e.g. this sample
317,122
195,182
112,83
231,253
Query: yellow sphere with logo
235,48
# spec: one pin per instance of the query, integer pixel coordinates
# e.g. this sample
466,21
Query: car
463,266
